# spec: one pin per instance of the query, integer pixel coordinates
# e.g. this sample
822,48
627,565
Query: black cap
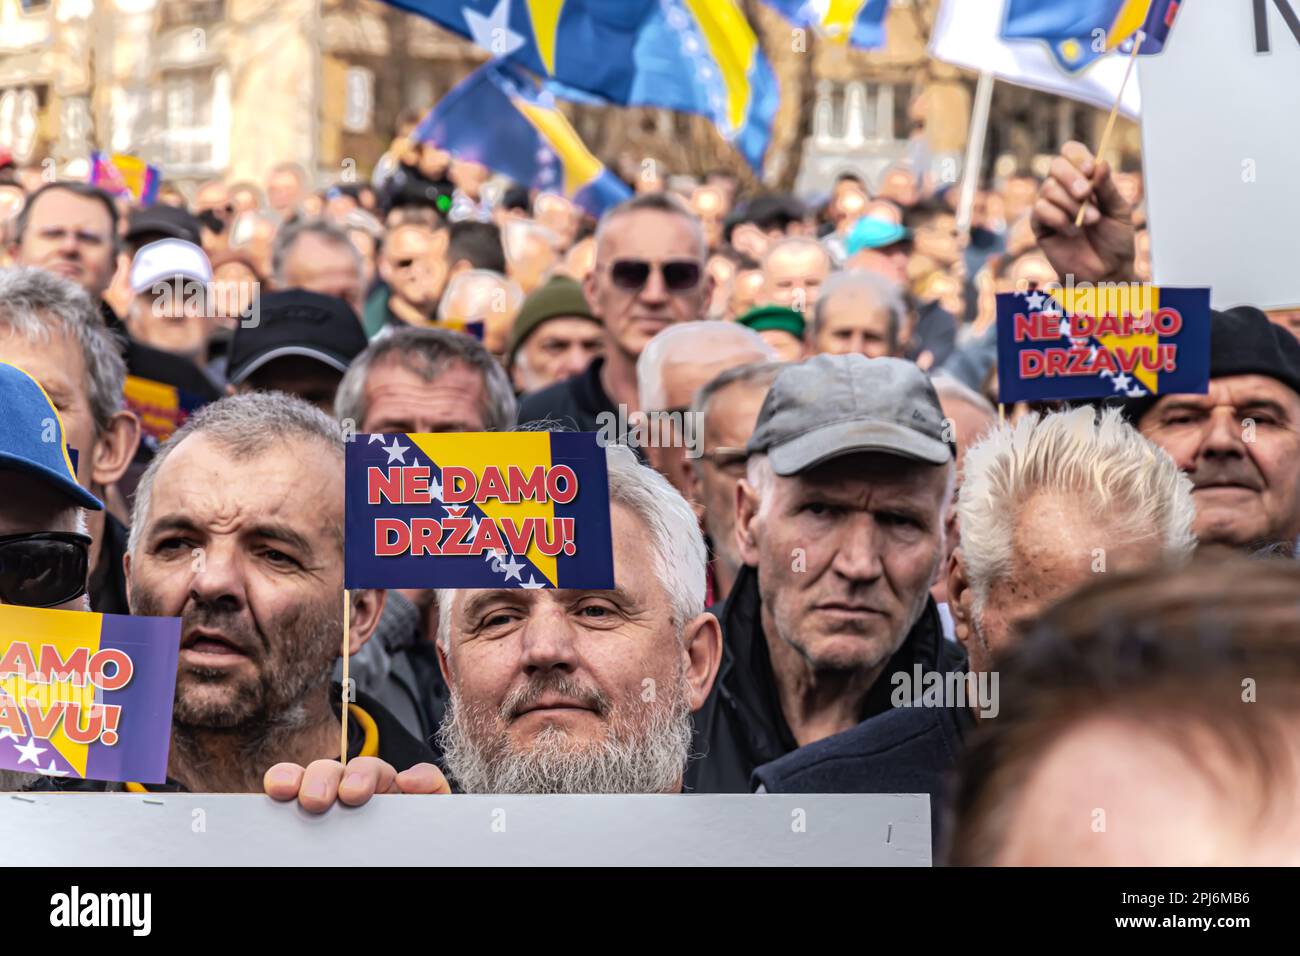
162,220
1243,341
296,322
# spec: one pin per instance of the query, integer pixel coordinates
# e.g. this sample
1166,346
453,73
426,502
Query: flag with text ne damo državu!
87,695
477,510
1119,341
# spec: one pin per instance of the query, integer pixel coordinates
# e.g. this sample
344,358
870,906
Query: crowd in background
829,507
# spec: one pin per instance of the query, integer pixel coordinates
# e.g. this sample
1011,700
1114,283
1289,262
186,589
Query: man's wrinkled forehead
295,481
650,234
1236,391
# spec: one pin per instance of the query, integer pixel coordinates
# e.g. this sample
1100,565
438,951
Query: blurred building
228,88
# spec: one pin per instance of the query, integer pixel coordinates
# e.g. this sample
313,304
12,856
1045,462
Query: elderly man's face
845,554
678,444
1239,444
575,691
30,506
70,236
793,276
851,325
1056,549
557,349
248,552
325,267
398,399
635,313
728,423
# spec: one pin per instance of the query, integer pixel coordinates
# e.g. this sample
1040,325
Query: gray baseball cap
833,405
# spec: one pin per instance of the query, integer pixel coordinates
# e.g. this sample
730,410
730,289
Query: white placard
185,829
1221,154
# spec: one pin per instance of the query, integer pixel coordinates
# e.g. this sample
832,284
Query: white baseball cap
165,259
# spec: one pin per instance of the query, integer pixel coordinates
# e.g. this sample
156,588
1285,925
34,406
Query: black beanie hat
1242,342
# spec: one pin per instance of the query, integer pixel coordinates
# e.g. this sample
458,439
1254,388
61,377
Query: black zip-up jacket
741,725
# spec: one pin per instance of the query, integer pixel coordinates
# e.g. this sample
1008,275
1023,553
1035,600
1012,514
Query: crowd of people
839,564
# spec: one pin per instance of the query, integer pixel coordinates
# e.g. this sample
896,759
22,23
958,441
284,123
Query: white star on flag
376,437
51,771
7,734
493,32
512,568
397,451
29,752
1136,391
1121,382
531,585
1035,301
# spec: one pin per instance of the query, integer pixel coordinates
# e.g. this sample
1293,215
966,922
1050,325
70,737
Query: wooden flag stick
1002,414
1114,114
347,623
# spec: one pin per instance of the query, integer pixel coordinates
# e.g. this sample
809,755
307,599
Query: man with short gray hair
50,328
858,312
674,365
565,691
839,523
1046,504
425,380
317,256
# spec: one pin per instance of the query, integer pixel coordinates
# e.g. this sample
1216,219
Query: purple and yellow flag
477,510
1119,341
161,408
121,175
87,695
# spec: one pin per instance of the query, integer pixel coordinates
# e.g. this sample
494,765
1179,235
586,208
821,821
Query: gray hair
654,202
244,425
322,229
797,242
710,342
1097,460
948,387
35,304
671,530
857,283
755,374
429,353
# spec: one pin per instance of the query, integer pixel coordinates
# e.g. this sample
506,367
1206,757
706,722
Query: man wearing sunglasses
649,274
44,548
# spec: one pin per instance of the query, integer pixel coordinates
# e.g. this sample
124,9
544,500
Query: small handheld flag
161,408
477,510
122,175
87,695
1079,32
1119,342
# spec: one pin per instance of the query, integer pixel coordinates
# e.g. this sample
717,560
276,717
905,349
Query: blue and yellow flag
477,510
694,56
1081,31
161,408
498,117
1120,341
87,695
859,23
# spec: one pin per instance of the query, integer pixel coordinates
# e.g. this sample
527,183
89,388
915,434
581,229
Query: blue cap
28,414
872,233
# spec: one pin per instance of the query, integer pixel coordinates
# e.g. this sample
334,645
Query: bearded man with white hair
560,690
1045,504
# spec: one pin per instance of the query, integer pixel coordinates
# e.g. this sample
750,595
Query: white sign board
175,829
1221,153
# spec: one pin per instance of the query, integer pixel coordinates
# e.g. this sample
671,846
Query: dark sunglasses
680,275
43,569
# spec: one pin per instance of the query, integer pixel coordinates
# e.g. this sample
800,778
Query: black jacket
904,750
741,726
574,402
396,746
108,582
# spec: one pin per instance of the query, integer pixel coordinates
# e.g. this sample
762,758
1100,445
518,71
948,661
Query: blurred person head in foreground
1152,719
